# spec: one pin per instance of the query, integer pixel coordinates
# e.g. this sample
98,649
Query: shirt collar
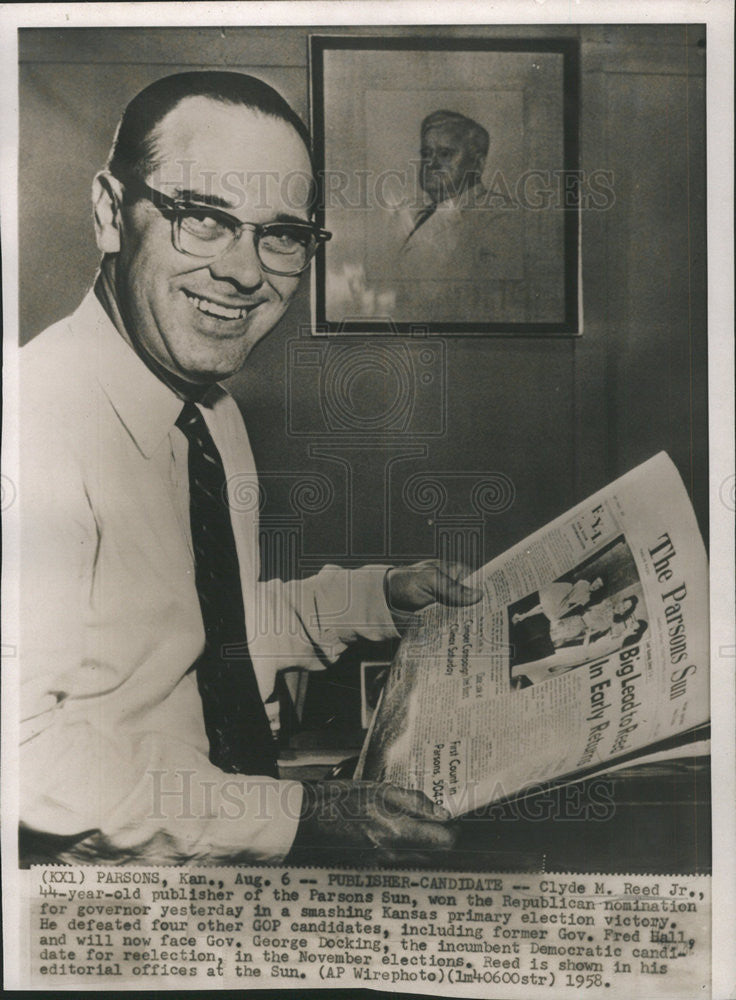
448,205
145,405
467,198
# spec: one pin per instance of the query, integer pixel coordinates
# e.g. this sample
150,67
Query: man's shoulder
65,345
47,344
56,375
41,343
482,207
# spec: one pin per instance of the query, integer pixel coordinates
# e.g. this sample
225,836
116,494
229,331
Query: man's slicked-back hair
477,136
134,146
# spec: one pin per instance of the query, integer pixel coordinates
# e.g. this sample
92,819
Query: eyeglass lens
282,248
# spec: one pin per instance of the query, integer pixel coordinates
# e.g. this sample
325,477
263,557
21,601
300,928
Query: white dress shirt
114,748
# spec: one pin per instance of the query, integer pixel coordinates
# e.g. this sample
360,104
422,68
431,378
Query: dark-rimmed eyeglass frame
175,208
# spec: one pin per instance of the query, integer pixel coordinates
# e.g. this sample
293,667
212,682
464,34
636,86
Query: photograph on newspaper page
358,627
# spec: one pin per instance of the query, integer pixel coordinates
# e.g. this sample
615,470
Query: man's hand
411,588
369,823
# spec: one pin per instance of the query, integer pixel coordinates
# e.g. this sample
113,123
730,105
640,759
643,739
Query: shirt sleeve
305,623
149,799
309,623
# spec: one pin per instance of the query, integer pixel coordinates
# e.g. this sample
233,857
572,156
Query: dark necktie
234,715
422,217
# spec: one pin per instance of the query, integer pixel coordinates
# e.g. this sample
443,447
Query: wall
556,418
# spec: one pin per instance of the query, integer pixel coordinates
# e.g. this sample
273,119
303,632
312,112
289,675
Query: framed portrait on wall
450,182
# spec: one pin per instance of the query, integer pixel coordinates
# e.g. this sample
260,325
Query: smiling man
200,301
149,647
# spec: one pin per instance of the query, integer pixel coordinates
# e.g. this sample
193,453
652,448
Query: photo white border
718,15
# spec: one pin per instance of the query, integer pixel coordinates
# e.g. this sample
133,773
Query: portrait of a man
455,246
443,168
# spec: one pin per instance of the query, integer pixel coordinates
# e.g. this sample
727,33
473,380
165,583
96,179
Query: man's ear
106,200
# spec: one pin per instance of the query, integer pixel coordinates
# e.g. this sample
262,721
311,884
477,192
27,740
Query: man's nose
240,264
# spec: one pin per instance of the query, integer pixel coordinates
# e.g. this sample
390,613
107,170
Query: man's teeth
214,309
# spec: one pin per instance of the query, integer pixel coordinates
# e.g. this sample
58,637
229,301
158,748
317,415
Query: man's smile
219,310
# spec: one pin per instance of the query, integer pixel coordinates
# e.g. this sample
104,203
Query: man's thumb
457,594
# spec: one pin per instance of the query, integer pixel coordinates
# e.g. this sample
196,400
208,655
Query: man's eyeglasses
206,232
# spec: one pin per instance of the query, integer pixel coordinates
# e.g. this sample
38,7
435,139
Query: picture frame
486,242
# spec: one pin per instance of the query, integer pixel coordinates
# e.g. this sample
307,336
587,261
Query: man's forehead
202,140
446,133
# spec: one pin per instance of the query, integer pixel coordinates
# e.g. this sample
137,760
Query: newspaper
590,645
